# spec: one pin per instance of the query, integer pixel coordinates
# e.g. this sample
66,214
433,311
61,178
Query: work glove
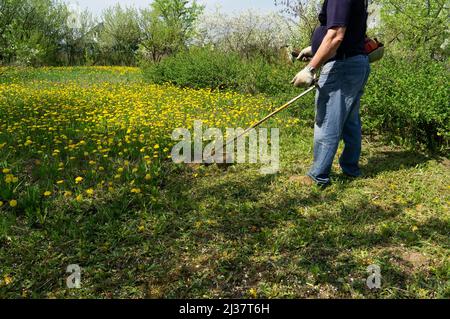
305,78
306,54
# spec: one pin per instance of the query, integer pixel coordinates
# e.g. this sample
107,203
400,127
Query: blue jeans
338,100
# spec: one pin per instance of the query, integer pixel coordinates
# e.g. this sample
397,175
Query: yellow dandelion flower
13,203
7,280
47,193
79,179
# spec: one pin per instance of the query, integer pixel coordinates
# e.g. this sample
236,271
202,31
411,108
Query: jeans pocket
329,75
329,68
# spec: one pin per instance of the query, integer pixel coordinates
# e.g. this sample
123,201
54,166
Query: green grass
240,234
209,233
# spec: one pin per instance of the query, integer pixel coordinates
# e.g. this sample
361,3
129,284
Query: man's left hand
305,78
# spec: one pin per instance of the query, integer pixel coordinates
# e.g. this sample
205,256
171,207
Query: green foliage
78,44
30,31
207,68
119,36
198,68
420,27
167,27
409,101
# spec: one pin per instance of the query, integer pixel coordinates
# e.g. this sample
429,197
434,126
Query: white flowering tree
249,33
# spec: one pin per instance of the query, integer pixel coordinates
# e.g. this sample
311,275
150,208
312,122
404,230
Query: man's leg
330,117
352,135
352,131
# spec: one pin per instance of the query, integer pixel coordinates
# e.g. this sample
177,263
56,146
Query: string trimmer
268,117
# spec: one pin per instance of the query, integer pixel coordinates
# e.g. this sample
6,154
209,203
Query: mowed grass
201,232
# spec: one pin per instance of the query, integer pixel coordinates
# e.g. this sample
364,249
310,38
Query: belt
344,56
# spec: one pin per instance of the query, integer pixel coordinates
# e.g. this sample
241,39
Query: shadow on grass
391,161
275,239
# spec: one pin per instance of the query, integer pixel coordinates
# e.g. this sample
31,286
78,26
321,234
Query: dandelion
78,180
60,182
47,194
1,203
6,171
148,177
7,280
13,203
136,190
90,192
67,194
79,198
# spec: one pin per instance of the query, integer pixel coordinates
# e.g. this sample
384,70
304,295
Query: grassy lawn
205,232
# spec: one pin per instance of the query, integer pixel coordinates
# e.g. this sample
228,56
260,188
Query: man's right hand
306,54
305,78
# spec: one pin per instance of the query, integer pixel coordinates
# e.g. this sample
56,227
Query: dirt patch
415,260
445,162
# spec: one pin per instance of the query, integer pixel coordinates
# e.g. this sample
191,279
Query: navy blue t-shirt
351,14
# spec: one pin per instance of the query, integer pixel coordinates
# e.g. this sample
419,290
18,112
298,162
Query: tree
79,44
167,27
249,34
120,35
304,18
31,30
417,27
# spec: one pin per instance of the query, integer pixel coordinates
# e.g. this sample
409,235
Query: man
338,46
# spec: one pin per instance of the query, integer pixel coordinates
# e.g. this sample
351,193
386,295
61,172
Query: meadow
86,178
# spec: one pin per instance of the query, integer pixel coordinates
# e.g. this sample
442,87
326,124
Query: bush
409,102
207,68
199,68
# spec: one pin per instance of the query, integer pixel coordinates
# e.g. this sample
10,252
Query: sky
229,6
